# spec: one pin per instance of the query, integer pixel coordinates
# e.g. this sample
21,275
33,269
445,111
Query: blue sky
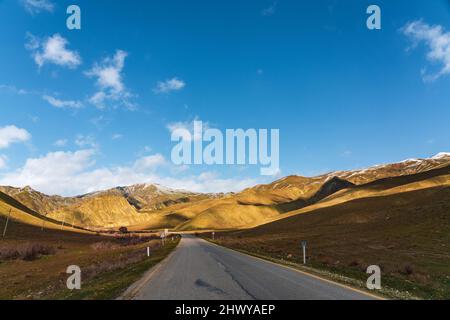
90,109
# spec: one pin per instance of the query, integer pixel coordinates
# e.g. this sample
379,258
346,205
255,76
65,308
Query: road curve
199,270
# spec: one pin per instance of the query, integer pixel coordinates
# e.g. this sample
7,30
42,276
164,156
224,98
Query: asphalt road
199,270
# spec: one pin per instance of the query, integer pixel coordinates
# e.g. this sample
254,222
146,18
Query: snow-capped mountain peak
441,155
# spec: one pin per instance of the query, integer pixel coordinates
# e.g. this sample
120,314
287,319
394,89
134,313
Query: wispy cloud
100,122
109,79
14,89
84,141
169,85
60,143
149,162
52,50
437,40
270,11
57,103
37,6
117,136
11,134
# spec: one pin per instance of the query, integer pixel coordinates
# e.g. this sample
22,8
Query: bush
408,270
355,263
31,252
123,230
26,252
8,254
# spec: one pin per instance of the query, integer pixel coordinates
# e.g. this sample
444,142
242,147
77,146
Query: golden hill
37,201
103,211
23,216
281,198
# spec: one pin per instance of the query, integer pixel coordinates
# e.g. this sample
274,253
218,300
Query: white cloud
437,40
108,73
214,185
62,103
60,143
12,134
51,173
169,85
98,99
52,50
73,173
109,79
149,162
37,6
269,11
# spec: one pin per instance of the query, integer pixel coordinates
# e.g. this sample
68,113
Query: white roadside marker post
213,235
64,220
6,225
163,236
304,245
148,251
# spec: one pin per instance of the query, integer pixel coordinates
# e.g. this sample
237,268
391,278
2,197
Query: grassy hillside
252,208
103,211
18,213
37,201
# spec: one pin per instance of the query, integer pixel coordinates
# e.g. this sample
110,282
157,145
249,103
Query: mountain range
151,206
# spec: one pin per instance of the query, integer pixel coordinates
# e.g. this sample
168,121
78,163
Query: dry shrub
26,252
408,270
8,254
